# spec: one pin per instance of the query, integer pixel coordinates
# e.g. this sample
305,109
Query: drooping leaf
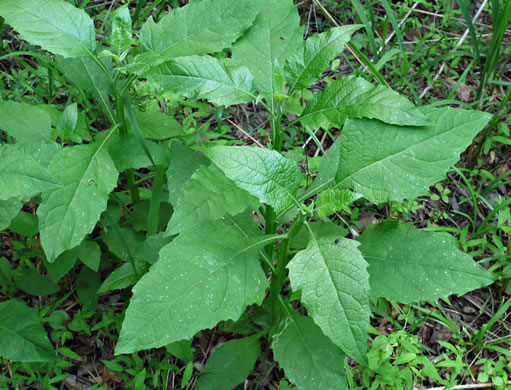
306,66
68,214
22,337
309,359
88,75
262,172
230,364
205,77
200,279
21,176
122,277
208,26
395,163
34,283
156,125
332,275
127,152
25,122
354,97
55,25
275,35
410,265
331,201
183,163
209,195
9,208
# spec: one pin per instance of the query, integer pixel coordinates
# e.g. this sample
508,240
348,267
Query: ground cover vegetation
220,194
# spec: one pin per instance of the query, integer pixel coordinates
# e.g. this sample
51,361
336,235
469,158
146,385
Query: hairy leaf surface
410,265
68,214
21,176
199,28
205,77
332,275
354,97
25,122
393,163
230,364
200,279
209,195
310,360
275,35
309,62
55,25
23,337
264,173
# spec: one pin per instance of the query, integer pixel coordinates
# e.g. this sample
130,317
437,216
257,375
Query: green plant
219,263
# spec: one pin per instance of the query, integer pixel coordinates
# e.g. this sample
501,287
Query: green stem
154,206
277,133
269,228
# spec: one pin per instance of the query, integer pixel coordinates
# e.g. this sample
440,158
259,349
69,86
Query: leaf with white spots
390,163
411,265
332,276
68,214
206,275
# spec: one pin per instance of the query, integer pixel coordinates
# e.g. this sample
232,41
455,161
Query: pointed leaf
127,152
156,125
122,277
410,265
393,163
332,275
354,97
310,360
230,364
208,26
331,201
23,339
209,195
275,35
262,172
21,176
8,210
200,279
205,78
55,25
25,122
309,62
183,163
68,214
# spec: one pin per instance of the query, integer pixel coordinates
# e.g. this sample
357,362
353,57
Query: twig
244,132
460,42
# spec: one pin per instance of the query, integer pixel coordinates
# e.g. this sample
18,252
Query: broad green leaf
262,172
205,77
200,279
25,122
127,152
148,251
309,359
55,25
199,28
21,176
88,75
40,151
68,214
122,247
354,97
25,224
309,62
156,125
87,284
319,229
62,264
23,339
122,277
183,163
209,195
121,37
230,364
391,163
5,273
90,254
275,35
9,208
333,278
331,201
34,283
410,265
